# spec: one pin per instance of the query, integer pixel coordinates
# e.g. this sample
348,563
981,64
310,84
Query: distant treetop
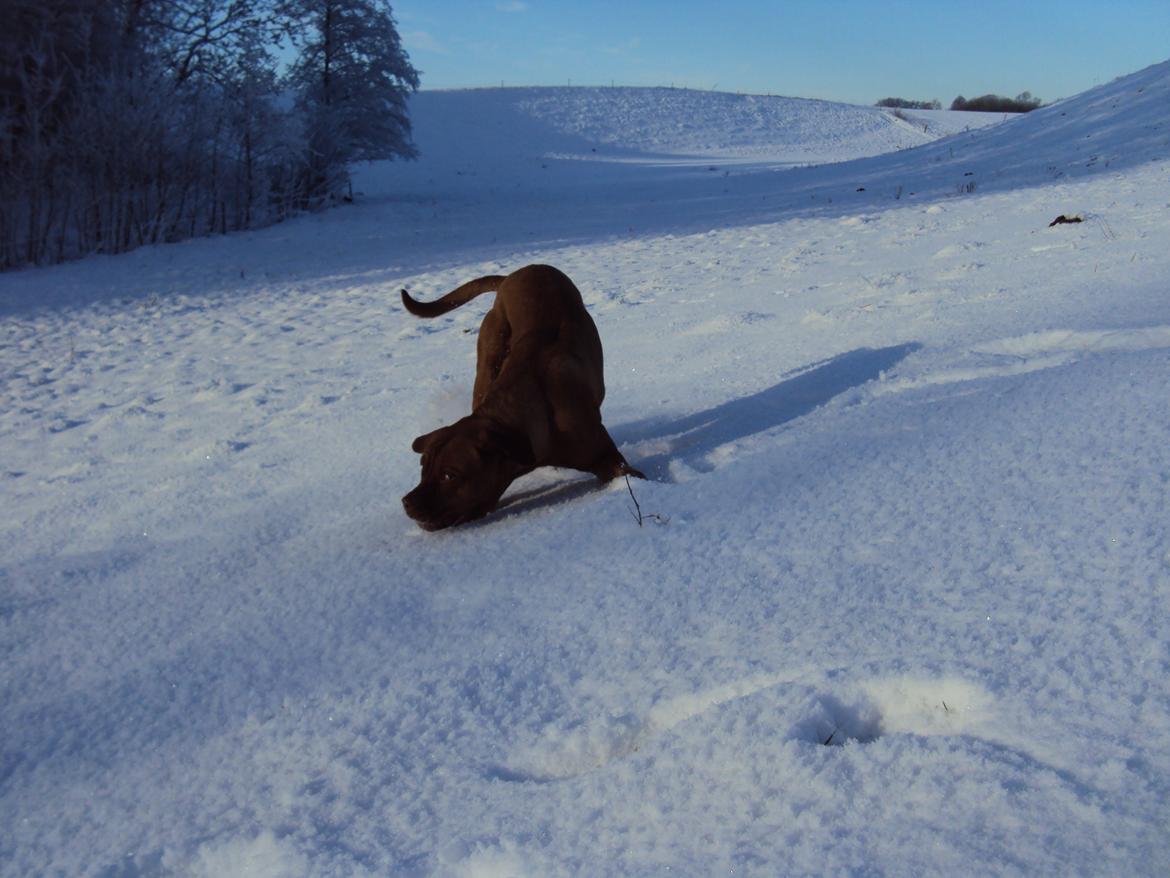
903,104
1021,103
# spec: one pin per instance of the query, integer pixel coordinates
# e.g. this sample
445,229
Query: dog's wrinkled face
466,468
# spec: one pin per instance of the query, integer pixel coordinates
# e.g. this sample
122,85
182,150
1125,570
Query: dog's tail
459,296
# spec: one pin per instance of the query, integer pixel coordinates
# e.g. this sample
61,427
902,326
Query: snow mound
262,857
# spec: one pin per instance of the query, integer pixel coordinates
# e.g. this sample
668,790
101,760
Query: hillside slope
896,604
654,124
523,166
498,139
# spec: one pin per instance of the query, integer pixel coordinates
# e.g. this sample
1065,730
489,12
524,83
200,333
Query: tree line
1022,103
903,104
129,122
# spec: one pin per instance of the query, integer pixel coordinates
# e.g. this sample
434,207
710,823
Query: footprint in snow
834,713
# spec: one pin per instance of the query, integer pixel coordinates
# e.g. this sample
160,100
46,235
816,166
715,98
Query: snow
897,604
668,126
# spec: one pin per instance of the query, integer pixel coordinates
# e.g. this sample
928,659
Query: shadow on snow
691,439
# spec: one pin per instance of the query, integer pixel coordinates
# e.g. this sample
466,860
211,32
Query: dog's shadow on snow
691,439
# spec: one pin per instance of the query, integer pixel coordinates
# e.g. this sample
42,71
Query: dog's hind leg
491,349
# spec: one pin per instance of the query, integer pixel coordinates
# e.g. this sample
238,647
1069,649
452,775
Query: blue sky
845,50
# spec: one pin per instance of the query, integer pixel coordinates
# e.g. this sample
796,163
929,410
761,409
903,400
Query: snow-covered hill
900,608
503,140
663,126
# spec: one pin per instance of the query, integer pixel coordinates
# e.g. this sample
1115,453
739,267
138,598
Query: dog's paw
626,470
617,470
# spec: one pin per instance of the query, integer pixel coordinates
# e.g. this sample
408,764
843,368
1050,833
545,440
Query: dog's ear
420,444
514,446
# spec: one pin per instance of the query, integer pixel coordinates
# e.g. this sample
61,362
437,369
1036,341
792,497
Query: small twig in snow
636,512
637,505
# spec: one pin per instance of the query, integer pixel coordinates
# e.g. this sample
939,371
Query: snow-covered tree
353,79
126,122
47,48
267,146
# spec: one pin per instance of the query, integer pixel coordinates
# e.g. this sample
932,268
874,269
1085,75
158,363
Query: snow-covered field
899,604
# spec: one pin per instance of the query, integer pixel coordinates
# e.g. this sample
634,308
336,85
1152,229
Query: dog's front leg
611,464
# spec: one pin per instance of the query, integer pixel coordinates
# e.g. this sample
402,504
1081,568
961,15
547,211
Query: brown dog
536,401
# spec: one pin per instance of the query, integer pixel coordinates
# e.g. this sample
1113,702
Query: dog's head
466,467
